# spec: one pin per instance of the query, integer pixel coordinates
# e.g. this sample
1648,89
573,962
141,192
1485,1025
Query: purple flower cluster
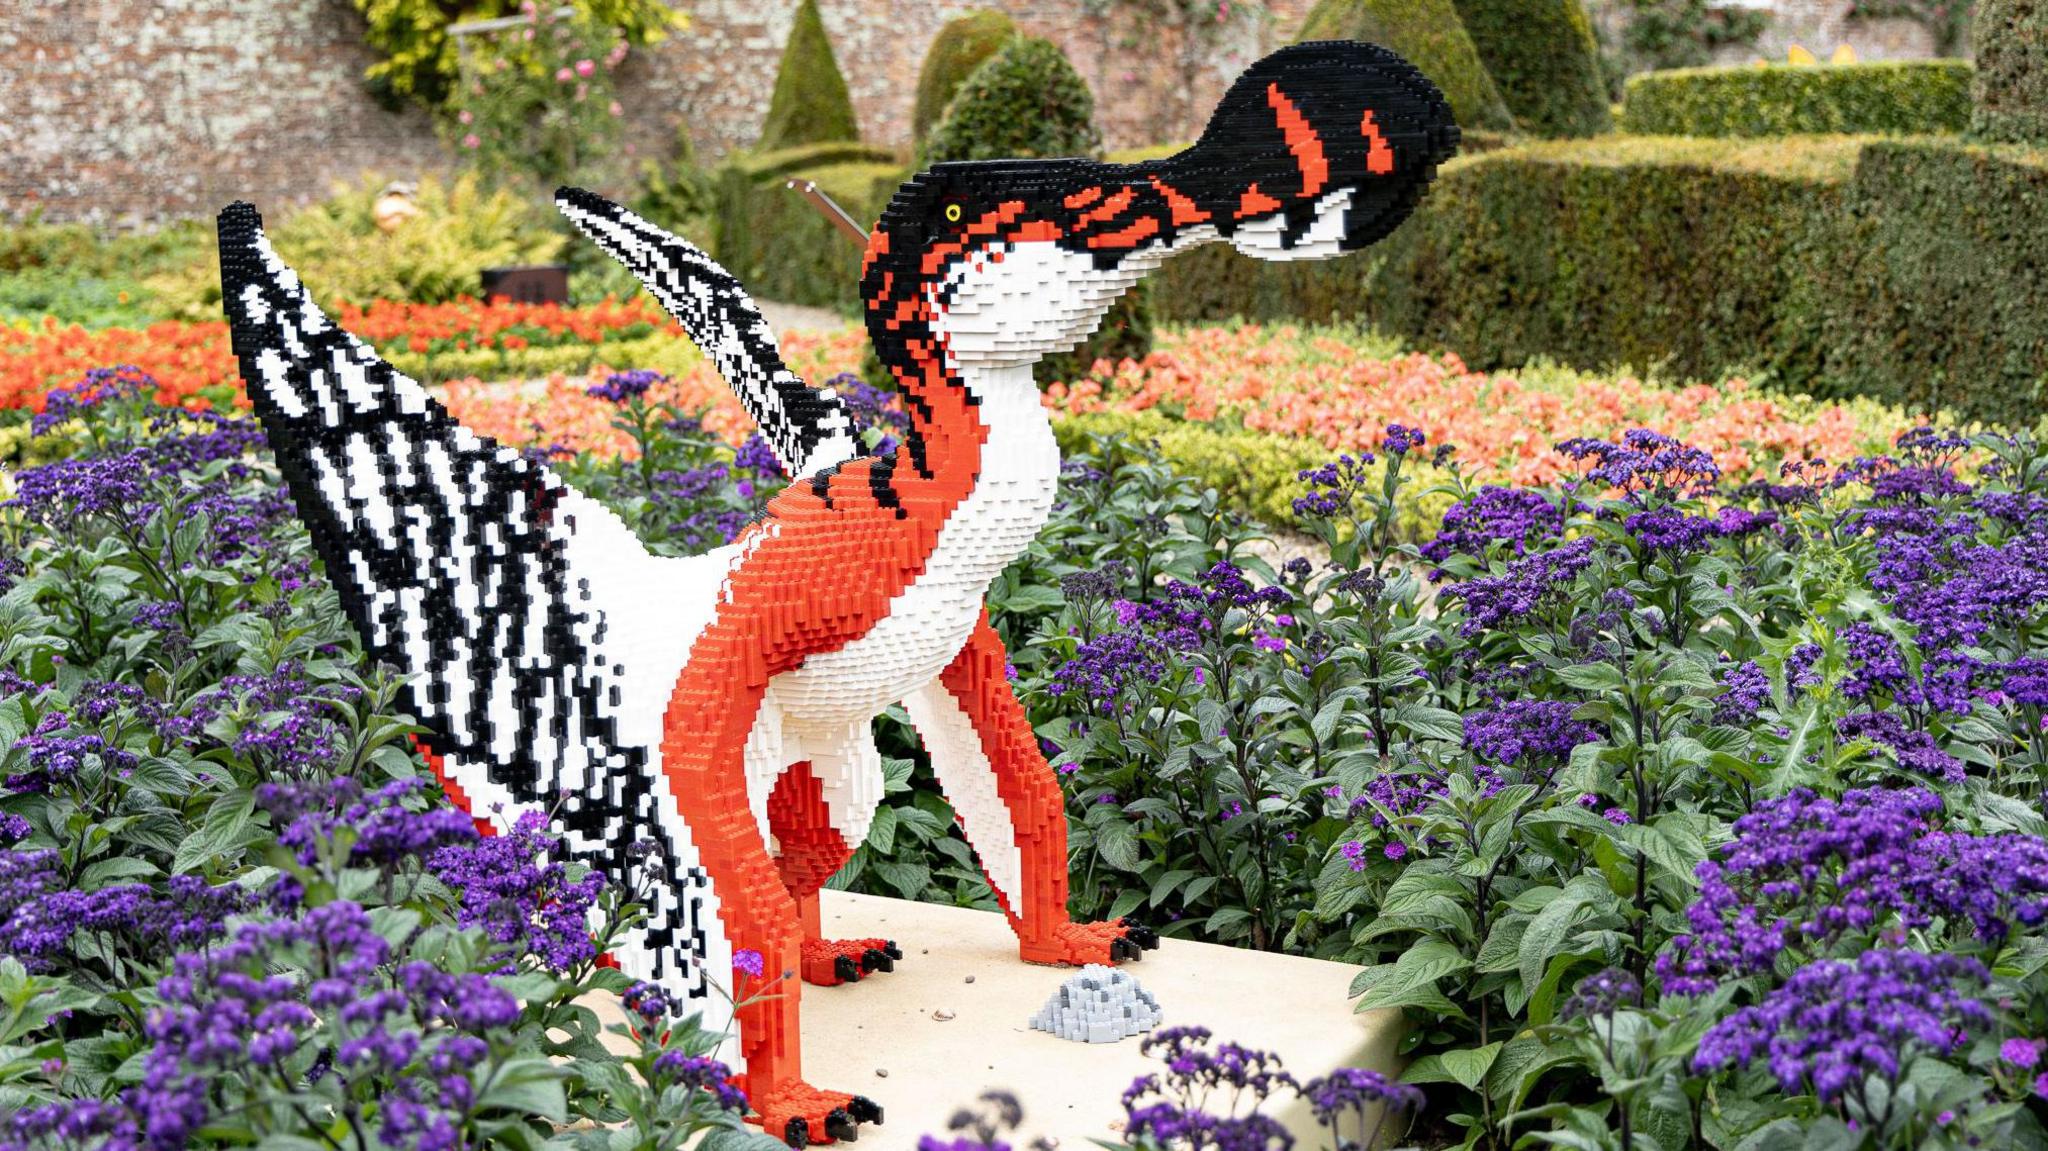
624,387
1804,870
1534,581
1745,690
700,1073
519,891
1602,994
1527,732
1836,1024
1646,463
1169,1107
1342,1100
1516,517
57,752
1333,488
1668,530
61,405
1916,751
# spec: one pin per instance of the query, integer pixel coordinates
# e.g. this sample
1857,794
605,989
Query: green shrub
1897,97
433,258
1932,294
960,47
1025,101
2011,39
810,104
1429,34
783,249
420,61
1542,56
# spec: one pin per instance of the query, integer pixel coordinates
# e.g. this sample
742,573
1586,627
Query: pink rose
615,110
465,115
470,141
564,76
585,67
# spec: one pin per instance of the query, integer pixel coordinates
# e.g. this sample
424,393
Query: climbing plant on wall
418,58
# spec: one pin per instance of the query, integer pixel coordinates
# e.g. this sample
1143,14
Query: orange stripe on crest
1255,203
1301,140
1183,209
1126,237
1107,208
1379,155
1082,199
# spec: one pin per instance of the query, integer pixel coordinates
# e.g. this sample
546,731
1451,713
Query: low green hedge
1908,270
1902,97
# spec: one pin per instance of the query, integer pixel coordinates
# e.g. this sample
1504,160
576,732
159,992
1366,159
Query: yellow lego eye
953,213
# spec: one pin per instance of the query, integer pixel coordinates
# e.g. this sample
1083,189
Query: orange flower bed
188,359
1327,388
184,359
560,410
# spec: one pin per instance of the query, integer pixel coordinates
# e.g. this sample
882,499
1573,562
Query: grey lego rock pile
1100,1005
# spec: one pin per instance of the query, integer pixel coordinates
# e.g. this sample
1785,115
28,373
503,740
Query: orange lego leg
811,851
987,759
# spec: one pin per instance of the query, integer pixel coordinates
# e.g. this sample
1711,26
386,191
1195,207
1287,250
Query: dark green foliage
1025,101
1900,97
1429,34
1934,293
810,104
1542,56
2012,69
779,246
959,48
1904,270
1682,33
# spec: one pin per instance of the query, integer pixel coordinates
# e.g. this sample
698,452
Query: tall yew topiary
1430,35
1542,56
810,104
959,48
2011,38
1023,102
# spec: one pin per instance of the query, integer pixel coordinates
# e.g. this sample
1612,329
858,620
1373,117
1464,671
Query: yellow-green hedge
1893,97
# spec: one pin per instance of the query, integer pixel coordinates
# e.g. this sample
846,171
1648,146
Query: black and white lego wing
808,427
540,639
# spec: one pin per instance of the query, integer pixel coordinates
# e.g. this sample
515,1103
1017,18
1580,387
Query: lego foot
831,962
803,1116
1079,944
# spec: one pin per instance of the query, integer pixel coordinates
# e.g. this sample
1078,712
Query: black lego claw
842,1127
797,1133
1123,950
1140,934
891,950
865,1110
844,970
873,959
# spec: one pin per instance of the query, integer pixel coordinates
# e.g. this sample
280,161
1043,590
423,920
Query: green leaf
528,1085
1117,842
1431,722
1546,934
1592,676
882,834
1469,1066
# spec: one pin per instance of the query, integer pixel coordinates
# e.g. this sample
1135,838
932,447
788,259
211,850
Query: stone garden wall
129,111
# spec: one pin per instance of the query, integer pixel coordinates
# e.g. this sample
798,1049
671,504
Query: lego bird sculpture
701,727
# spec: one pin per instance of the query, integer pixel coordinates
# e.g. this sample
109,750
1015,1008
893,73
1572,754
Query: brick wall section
1815,25
124,111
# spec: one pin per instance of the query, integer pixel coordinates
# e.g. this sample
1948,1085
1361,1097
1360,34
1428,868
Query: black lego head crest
1316,150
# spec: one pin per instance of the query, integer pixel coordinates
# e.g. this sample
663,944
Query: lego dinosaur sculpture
719,707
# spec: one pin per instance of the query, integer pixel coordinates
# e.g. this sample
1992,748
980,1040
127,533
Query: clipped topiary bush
960,47
1430,35
2011,39
810,104
1543,58
1025,101
1899,97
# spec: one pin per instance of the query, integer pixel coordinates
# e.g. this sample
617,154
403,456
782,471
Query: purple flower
622,387
1835,1024
1400,440
1646,463
1668,530
100,386
517,888
1535,581
1602,994
701,1073
2022,1053
1343,1098
1172,1107
1916,751
1333,488
1745,690
1517,517
748,961
1526,731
